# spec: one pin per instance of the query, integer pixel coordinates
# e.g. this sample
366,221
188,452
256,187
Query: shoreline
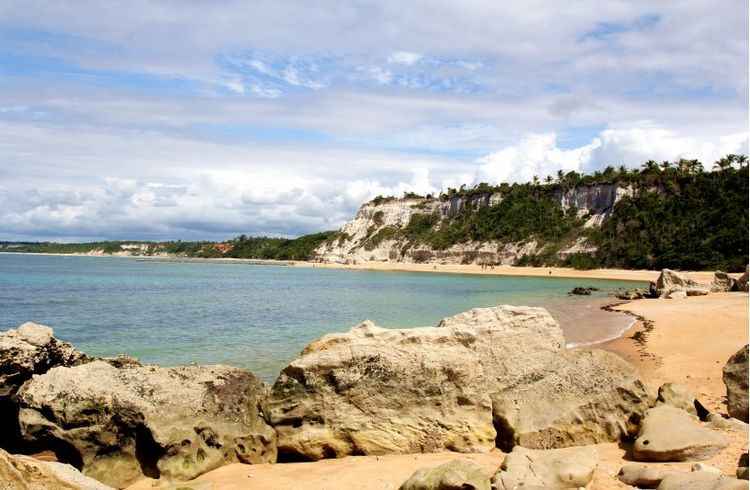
629,275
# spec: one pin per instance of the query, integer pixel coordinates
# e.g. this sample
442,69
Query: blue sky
166,120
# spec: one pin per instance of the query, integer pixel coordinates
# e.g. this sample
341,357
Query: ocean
260,317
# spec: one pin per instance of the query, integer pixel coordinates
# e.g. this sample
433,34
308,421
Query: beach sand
688,341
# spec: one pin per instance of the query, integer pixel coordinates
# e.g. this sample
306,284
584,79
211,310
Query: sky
198,119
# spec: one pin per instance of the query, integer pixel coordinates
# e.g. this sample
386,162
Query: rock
742,282
454,475
119,424
670,281
376,391
31,349
736,380
557,468
696,291
717,421
581,291
632,294
583,397
642,475
700,480
25,473
676,295
705,467
678,396
722,282
671,434
742,466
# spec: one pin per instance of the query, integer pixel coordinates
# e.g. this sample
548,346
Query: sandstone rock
700,480
642,475
670,281
705,467
717,421
742,282
671,434
722,282
454,475
557,468
678,396
119,424
676,294
31,349
582,397
696,291
736,380
25,473
375,390
632,294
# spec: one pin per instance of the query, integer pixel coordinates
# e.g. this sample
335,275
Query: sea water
258,316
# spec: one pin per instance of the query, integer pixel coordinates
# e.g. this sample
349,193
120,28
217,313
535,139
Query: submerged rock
670,434
119,424
735,377
454,475
25,473
375,390
582,291
582,397
552,469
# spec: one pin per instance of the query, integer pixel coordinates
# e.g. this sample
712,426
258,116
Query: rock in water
119,424
670,434
678,396
25,473
454,475
700,480
375,390
736,379
583,397
722,282
557,468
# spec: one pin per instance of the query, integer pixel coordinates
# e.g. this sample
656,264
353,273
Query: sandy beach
688,341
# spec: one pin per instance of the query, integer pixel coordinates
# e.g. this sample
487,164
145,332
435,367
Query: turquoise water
255,316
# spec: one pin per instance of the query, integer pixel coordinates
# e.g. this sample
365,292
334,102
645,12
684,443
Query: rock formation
26,473
670,434
553,469
700,480
119,424
742,281
377,391
670,282
454,475
642,475
736,380
722,282
678,396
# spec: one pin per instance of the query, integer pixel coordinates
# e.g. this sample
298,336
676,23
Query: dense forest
678,216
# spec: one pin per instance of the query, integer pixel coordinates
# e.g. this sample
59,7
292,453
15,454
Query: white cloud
404,58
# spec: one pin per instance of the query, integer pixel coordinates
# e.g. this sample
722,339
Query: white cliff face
354,244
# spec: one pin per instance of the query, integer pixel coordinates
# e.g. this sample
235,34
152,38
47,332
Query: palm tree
724,163
650,167
560,175
548,179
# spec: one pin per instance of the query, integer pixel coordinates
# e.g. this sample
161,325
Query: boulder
722,282
556,468
700,480
120,424
670,434
696,291
632,294
31,349
705,467
680,294
26,473
742,466
582,397
454,475
678,396
736,380
376,391
718,421
642,475
742,282
670,281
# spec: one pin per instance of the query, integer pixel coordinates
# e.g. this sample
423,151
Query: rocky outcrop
722,282
485,377
678,396
735,377
670,434
559,468
670,282
26,473
700,480
374,390
119,424
454,475
582,397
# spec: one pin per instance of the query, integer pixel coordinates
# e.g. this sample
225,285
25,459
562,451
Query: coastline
632,275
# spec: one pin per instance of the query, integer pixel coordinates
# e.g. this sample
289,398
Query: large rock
375,390
670,281
742,282
582,397
736,380
700,480
722,282
643,475
678,396
552,469
25,473
670,434
119,424
454,475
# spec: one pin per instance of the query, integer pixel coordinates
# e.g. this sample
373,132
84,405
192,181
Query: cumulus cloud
404,58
